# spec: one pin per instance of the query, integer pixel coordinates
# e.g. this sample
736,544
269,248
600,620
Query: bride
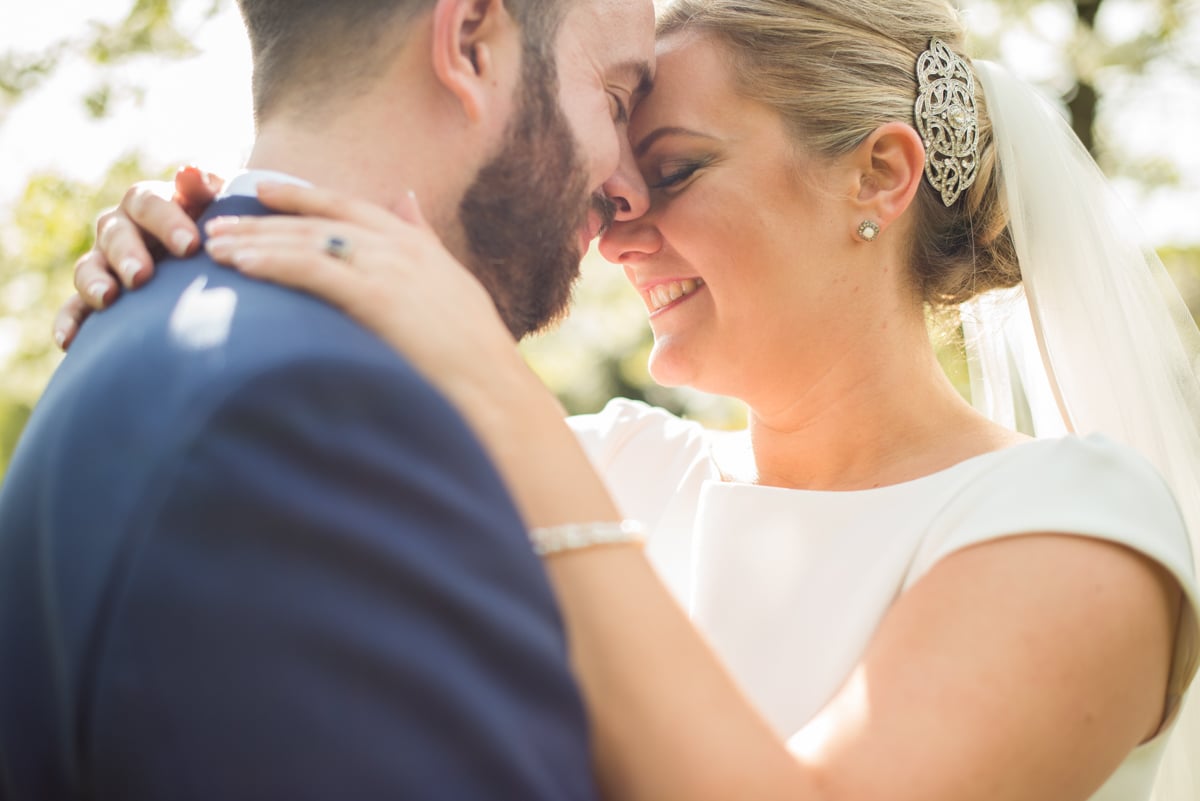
877,590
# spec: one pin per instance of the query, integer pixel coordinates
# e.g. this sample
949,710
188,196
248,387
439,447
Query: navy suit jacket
246,552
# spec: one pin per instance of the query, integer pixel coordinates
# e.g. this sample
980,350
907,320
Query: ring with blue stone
338,247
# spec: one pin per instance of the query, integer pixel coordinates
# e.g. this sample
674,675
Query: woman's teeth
666,294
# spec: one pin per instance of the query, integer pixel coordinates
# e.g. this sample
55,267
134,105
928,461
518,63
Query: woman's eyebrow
658,133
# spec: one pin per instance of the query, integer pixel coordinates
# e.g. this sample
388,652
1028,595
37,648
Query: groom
246,552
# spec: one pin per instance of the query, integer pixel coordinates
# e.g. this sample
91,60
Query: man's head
311,52
506,116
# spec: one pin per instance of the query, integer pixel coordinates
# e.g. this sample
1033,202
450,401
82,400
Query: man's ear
891,162
467,35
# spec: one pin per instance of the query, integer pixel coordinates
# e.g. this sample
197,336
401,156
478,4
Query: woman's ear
892,164
467,35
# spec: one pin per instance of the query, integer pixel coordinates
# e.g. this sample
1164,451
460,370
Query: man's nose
626,188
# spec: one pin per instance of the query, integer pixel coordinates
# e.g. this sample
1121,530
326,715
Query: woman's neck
871,423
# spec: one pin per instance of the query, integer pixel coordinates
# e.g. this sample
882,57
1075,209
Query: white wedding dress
789,585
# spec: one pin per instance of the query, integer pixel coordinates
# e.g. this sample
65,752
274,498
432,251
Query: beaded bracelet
573,536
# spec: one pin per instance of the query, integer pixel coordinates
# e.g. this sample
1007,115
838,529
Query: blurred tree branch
1090,53
150,28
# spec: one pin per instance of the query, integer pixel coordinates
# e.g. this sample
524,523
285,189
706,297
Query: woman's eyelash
679,175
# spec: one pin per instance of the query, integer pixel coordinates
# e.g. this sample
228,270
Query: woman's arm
1022,670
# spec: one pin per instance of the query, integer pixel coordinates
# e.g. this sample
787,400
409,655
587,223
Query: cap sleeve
644,455
630,434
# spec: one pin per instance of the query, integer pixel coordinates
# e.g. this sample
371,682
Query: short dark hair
305,50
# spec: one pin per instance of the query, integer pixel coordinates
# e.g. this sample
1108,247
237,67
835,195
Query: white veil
1098,340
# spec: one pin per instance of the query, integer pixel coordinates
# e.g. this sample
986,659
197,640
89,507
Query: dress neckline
718,477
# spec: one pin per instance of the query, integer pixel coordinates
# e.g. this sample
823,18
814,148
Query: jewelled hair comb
947,120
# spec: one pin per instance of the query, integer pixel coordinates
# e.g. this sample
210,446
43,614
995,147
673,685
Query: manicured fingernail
60,337
129,269
98,290
181,242
220,225
246,259
219,247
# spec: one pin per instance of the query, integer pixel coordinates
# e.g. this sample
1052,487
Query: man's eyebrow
658,133
636,73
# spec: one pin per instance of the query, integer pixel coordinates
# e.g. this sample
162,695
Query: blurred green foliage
51,226
1088,56
601,351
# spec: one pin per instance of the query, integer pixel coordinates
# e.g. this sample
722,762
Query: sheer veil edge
1097,339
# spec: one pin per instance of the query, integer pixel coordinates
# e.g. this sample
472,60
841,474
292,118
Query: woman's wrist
493,387
523,428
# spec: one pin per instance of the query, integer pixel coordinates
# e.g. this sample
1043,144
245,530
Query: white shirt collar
245,183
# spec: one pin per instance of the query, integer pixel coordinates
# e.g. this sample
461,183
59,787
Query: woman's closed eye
675,174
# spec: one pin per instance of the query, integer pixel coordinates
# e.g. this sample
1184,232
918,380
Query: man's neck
376,149
333,160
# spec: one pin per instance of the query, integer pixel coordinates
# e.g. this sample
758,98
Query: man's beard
523,213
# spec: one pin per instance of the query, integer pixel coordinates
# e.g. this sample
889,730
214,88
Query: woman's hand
389,271
155,218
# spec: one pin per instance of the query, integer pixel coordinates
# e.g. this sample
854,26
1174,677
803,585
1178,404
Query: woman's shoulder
1092,487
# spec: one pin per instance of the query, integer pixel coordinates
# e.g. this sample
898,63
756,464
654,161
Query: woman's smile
664,295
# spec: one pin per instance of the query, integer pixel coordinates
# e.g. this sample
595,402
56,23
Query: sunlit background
96,94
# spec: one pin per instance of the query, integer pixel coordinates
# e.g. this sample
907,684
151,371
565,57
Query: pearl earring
868,231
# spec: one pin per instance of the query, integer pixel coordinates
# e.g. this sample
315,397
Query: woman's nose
628,241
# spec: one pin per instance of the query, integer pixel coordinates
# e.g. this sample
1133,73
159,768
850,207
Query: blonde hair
836,70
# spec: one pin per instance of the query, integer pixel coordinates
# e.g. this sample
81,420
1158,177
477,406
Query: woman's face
741,258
